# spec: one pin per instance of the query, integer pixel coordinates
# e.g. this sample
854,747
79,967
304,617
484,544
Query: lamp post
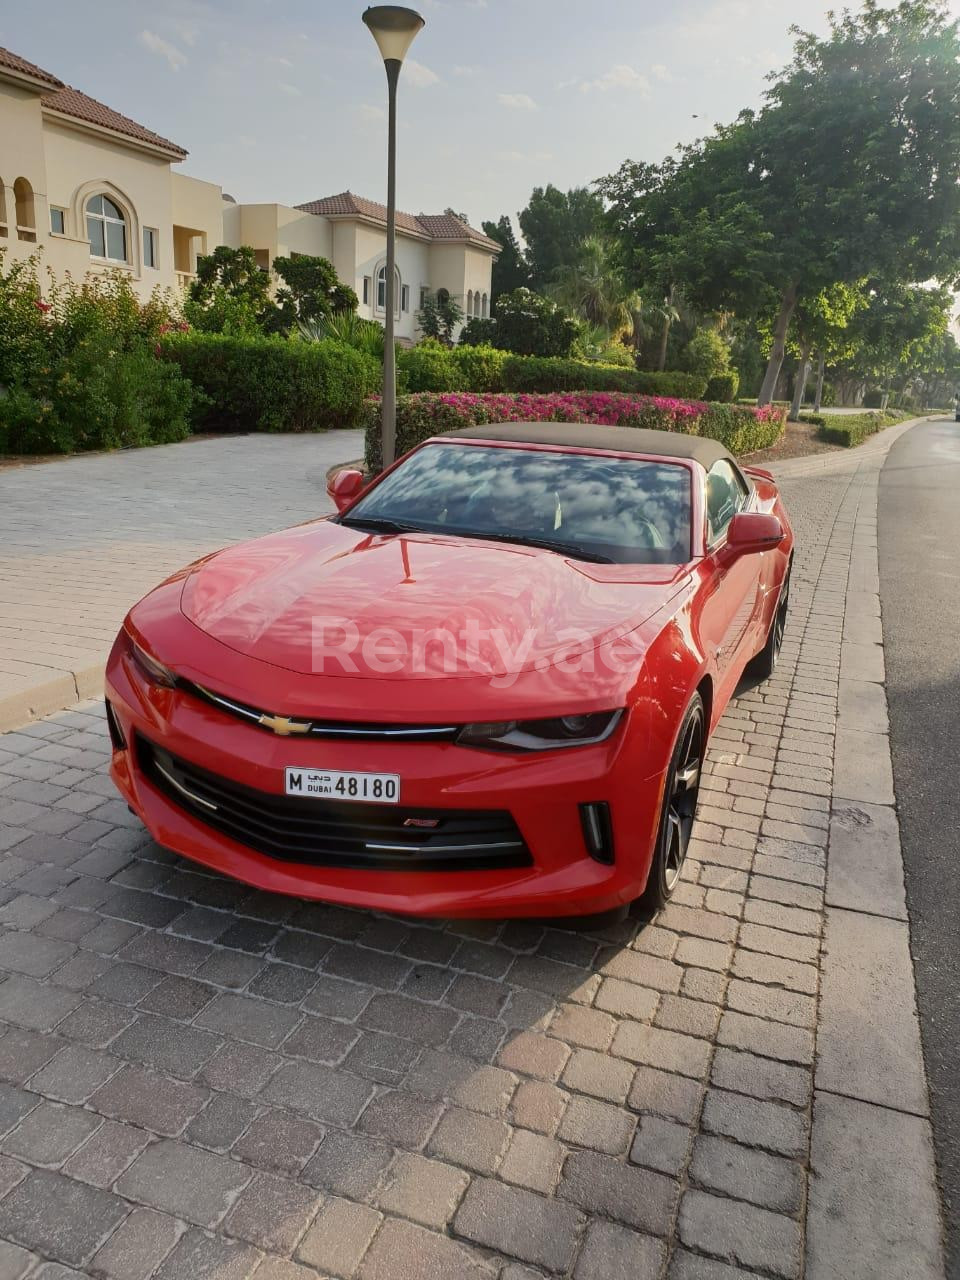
394,29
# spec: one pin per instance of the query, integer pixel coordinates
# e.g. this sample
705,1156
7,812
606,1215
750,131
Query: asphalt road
919,532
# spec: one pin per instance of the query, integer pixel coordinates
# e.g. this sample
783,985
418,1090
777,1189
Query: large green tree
850,170
510,270
894,334
553,224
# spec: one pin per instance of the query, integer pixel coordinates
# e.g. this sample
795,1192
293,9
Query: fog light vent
597,830
116,733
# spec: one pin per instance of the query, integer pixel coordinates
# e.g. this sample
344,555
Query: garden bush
742,430
706,354
429,366
480,367
723,387
79,367
850,429
273,384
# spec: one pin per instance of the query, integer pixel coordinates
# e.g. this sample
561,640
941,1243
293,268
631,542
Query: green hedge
272,384
431,367
851,429
723,387
742,430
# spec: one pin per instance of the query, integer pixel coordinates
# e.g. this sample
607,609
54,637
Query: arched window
485,309
443,297
470,302
106,229
3,209
476,304
382,289
23,198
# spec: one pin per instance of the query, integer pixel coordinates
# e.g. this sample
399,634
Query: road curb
60,692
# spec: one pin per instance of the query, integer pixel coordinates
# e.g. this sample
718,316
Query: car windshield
618,510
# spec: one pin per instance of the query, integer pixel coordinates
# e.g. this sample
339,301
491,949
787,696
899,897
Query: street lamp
394,29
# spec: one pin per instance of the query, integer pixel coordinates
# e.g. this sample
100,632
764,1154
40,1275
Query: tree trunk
800,383
774,364
818,398
662,359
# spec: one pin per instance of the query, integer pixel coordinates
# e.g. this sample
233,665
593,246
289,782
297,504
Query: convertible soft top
587,435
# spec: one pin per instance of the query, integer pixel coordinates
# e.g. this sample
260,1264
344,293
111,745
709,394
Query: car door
732,582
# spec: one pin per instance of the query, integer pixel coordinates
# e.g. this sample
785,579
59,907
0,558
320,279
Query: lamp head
393,27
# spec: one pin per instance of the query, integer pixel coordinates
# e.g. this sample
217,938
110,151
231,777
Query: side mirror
344,487
754,531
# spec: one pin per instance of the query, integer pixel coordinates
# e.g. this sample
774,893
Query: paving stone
740,1233
761,1077
284,983
322,1040
627,1000
49,1134
604,1185
405,1251
865,872
184,1181
30,1004
244,1018
198,1256
691,1017
348,1164
166,1046
59,1217
321,1092
137,1247
439,1074
662,1145
645,970
469,1139
486,1089
241,1068
14,1261
180,998
339,1238
221,1122
279,1141
534,1055
126,983
228,969
655,1047
105,1155
777,971
426,1191
611,1252
24,1052
519,1223
539,1106
769,1039
400,1016
598,1074
665,1094
771,1002
754,1123
400,1118
590,1028
596,1125
272,1213
151,1101
748,1174
96,1023
15,1103
704,984
280,1269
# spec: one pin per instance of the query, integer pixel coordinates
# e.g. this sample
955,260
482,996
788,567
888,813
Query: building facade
96,191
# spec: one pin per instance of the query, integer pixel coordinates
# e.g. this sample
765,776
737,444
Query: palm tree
594,287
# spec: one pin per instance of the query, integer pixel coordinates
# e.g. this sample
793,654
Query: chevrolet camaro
483,687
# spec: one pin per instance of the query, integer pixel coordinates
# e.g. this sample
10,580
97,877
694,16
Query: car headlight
541,735
154,670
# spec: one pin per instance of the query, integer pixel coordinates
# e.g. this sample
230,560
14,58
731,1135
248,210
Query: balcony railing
185,278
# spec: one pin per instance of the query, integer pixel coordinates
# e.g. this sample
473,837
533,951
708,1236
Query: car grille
322,833
345,730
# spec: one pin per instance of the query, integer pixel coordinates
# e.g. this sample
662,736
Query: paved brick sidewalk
82,538
203,1081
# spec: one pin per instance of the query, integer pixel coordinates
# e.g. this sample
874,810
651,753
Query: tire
678,810
764,664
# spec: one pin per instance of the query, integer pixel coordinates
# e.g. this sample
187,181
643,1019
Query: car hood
327,599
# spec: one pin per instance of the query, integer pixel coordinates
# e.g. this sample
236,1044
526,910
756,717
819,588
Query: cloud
459,70
369,114
517,101
660,72
175,57
280,62
419,75
620,76
290,89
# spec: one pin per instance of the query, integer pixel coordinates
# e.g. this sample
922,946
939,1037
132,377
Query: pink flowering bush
740,427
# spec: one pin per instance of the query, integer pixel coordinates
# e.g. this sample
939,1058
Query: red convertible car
483,688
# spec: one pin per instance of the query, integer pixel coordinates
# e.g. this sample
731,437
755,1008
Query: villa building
99,192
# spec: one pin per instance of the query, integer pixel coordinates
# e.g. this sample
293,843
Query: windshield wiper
378,524
547,544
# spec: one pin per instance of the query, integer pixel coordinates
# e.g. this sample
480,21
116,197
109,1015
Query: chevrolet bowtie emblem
284,726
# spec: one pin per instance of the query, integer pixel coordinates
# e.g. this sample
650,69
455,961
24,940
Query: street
205,1081
920,590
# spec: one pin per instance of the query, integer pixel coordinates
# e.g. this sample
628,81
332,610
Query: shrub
478,332
481,367
80,369
273,383
706,354
851,429
531,325
686,386
723,387
742,430
429,366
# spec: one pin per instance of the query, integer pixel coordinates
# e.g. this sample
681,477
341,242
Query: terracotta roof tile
71,102
14,62
433,226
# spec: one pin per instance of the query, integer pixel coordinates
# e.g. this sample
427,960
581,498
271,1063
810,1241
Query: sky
283,100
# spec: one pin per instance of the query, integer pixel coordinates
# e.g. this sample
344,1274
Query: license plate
328,784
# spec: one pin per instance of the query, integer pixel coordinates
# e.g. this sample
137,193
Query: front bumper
542,793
